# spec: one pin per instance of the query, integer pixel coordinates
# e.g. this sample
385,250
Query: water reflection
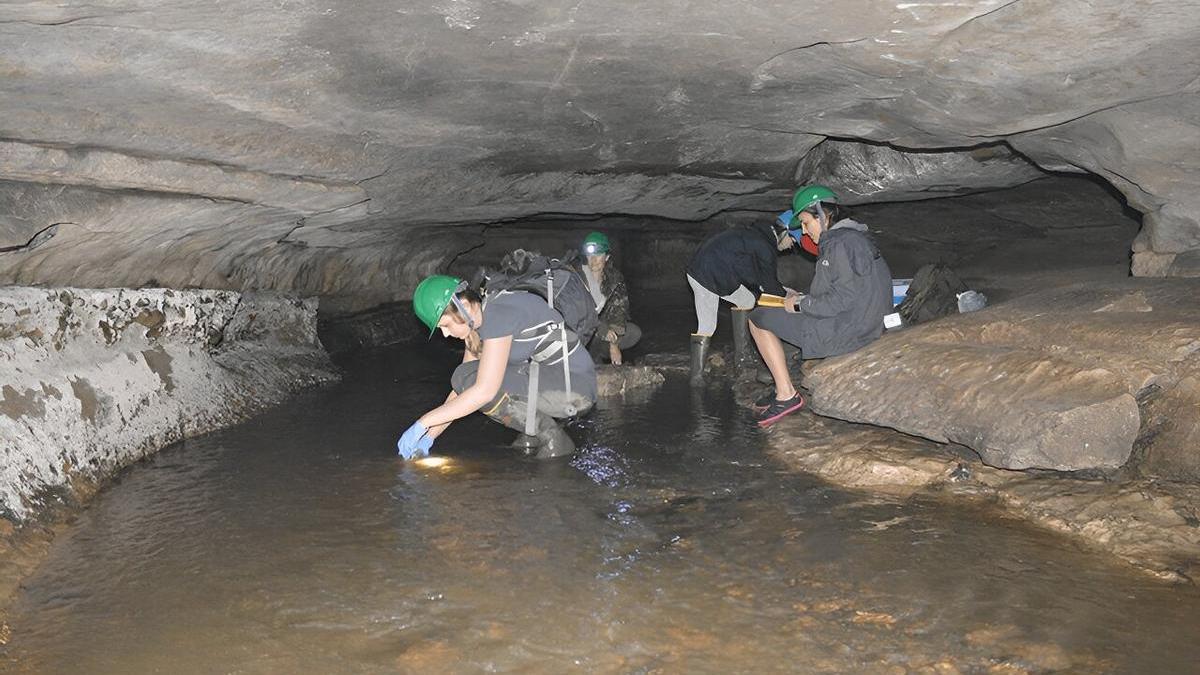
298,543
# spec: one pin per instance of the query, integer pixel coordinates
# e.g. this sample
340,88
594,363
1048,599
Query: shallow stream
298,543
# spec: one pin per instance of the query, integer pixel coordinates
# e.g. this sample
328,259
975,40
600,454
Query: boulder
1044,381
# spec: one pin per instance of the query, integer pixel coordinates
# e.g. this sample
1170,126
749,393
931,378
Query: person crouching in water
843,310
517,350
736,265
607,286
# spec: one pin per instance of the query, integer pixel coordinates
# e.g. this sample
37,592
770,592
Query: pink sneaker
779,409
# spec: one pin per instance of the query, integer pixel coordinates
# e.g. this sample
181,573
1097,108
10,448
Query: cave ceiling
230,139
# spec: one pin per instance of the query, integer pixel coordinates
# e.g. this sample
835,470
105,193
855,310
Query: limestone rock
1150,524
861,173
318,149
1044,381
861,457
617,380
91,380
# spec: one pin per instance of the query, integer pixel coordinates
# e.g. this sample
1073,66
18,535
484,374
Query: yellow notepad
768,300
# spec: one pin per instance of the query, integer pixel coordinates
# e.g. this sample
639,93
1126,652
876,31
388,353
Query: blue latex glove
414,443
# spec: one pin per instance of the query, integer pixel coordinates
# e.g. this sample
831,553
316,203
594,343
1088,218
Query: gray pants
555,403
707,303
793,329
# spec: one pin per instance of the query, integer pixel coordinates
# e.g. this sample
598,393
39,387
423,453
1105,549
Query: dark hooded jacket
742,256
850,293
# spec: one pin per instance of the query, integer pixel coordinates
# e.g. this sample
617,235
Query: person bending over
607,286
517,351
737,265
843,310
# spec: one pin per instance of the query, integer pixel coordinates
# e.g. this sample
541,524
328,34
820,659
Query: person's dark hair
835,212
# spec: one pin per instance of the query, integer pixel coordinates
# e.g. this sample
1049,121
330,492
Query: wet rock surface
1151,524
617,380
1049,380
96,379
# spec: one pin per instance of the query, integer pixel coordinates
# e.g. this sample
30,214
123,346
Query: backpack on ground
553,280
932,294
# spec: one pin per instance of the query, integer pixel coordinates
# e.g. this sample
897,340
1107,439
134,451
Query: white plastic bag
970,301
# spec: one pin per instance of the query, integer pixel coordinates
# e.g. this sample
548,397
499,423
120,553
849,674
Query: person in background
843,310
607,286
521,367
737,265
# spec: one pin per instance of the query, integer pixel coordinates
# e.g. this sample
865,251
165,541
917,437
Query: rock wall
1067,378
865,173
91,380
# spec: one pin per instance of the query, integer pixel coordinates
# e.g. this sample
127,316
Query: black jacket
742,256
849,295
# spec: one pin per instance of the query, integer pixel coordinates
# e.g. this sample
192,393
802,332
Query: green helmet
596,243
433,296
811,194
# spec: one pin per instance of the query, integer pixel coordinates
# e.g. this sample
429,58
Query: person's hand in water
415,442
614,354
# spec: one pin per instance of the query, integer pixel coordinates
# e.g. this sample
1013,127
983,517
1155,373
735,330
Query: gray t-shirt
511,313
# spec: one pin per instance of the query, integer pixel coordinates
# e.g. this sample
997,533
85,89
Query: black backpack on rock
932,294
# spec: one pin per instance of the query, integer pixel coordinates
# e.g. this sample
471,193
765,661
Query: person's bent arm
434,432
492,363
766,270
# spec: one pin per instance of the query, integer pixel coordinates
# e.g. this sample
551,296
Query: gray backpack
554,280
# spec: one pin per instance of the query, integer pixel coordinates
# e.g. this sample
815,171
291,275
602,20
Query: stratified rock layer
91,380
313,147
877,173
1151,524
1050,380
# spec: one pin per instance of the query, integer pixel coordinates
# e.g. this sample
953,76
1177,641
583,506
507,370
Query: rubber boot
699,359
554,441
744,353
550,441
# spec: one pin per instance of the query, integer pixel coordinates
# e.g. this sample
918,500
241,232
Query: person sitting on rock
843,310
607,286
737,265
518,350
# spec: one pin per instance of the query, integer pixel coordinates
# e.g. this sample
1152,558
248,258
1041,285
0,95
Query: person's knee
633,335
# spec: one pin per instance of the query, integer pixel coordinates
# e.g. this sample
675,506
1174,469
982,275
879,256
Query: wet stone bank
95,379
672,542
